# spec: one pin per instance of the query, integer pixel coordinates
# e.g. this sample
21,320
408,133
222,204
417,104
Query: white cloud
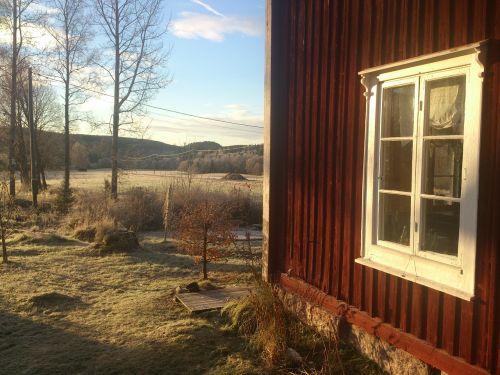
207,7
34,35
192,25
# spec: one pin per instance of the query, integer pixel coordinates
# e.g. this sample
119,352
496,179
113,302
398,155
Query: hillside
94,152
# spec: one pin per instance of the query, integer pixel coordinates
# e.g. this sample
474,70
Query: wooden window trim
449,274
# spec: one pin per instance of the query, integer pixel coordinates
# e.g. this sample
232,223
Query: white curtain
444,106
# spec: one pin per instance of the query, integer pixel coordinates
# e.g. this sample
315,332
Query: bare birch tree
133,30
15,14
70,26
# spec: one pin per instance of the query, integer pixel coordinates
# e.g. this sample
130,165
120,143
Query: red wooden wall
327,43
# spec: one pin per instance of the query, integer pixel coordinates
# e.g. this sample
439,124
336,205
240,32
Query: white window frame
454,275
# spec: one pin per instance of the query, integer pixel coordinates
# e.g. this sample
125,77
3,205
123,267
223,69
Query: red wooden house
382,170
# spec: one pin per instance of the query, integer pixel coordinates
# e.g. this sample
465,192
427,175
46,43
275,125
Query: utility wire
55,79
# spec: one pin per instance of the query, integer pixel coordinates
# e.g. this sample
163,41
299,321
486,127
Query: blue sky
217,63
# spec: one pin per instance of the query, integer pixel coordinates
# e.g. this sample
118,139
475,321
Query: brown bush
138,209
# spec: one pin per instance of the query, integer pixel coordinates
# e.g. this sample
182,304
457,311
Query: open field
158,180
114,315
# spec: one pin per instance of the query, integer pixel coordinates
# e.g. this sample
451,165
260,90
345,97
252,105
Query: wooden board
210,299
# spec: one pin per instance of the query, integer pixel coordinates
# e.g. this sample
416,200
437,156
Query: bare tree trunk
205,244
21,155
67,158
43,179
41,164
5,258
13,102
116,108
33,146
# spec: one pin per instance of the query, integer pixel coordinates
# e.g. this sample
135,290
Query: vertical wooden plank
339,157
433,317
314,241
322,206
393,301
378,34
299,143
292,109
359,124
479,20
306,129
351,138
466,335
448,333
460,11
275,131
336,25
444,30
369,292
419,310
406,300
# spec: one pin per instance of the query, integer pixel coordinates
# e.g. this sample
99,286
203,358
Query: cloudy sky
217,64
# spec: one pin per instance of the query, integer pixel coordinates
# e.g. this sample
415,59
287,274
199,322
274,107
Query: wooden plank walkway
210,299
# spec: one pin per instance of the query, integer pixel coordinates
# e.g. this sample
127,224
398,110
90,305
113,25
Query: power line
55,79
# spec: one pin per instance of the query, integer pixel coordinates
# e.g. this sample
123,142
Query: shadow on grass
30,347
25,253
44,239
184,264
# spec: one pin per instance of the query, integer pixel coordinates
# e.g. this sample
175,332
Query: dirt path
64,312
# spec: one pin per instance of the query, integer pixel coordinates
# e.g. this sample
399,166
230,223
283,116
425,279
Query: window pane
398,111
443,167
396,165
394,218
446,100
441,221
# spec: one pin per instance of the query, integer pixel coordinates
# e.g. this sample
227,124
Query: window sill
416,279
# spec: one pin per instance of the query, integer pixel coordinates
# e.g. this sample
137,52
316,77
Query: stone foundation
391,359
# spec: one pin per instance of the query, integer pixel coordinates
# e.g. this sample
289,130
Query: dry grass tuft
272,331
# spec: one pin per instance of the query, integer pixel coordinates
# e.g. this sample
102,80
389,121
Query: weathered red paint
327,43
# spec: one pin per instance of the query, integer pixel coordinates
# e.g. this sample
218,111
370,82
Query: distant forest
94,152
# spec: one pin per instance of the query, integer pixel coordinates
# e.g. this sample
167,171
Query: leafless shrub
204,227
138,209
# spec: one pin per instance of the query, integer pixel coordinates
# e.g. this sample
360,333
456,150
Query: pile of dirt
55,301
234,177
117,241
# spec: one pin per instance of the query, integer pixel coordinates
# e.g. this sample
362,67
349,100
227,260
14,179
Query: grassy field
111,315
159,180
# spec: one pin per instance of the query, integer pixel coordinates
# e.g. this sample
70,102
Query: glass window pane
396,165
398,111
443,167
394,218
441,221
445,103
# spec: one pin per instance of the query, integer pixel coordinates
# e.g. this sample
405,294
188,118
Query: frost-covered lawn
65,312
